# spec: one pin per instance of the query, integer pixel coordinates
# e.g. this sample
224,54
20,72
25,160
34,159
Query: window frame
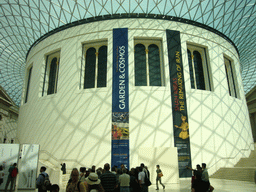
85,46
205,64
231,77
48,60
28,82
147,42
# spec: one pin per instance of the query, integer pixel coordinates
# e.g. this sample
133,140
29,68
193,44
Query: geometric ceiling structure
23,22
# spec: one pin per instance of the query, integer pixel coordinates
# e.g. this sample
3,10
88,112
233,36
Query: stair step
244,170
246,164
241,174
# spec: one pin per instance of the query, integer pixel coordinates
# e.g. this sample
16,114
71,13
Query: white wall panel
163,156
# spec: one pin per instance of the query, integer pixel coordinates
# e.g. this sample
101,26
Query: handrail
231,157
60,160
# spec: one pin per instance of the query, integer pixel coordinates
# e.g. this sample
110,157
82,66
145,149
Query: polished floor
218,184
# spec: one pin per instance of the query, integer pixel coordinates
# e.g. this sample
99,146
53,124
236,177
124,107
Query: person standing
159,174
198,185
40,181
74,185
108,179
147,179
93,169
13,171
141,178
63,168
124,181
93,183
82,174
205,178
134,183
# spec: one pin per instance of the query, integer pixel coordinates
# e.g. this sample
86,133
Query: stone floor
218,184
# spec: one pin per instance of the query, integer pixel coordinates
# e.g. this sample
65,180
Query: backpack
46,184
14,172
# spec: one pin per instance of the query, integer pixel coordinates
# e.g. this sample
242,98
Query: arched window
90,61
154,65
95,70
140,65
191,70
198,68
51,74
102,67
231,78
148,68
28,83
199,72
52,83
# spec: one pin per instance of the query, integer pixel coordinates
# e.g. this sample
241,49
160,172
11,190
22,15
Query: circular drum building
135,89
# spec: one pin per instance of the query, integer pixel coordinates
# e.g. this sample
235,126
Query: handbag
160,174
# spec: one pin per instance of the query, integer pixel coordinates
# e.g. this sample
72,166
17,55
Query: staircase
64,181
244,170
53,164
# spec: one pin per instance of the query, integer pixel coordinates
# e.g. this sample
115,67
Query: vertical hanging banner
179,104
120,99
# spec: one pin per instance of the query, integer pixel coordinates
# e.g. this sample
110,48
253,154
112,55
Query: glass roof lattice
25,21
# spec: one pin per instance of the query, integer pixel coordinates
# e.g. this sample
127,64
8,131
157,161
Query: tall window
95,68
231,80
198,68
148,63
51,74
28,83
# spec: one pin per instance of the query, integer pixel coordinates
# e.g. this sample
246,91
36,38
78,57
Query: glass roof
25,21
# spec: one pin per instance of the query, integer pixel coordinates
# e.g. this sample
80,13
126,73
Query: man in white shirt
141,178
205,178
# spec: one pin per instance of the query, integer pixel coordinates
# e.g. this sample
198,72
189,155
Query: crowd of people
109,180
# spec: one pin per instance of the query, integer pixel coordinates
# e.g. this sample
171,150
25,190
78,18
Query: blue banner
179,103
120,99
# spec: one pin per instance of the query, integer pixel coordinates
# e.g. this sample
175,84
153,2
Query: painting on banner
179,103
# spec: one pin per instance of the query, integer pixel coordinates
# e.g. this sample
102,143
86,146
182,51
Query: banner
120,99
179,105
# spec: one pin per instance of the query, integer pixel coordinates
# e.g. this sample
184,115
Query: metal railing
225,158
58,161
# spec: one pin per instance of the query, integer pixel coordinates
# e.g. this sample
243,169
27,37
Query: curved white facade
74,124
